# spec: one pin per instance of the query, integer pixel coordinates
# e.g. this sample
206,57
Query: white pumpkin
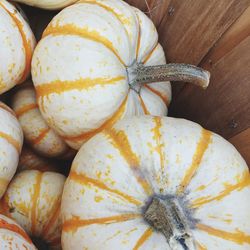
88,69
30,161
17,43
48,4
12,236
11,141
33,200
157,183
37,133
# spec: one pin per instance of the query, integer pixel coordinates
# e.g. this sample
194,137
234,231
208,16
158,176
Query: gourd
17,43
157,183
11,141
33,200
37,133
12,236
48,4
106,72
30,161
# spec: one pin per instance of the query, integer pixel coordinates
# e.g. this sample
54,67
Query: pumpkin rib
6,108
241,184
237,237
55,211
145,236
58,87
11,141
202,145
85,180
150,54
74,223
71,29
110,122
145,110
35,197
26,44
139,39
41,136
200,246
15,229
120,141
26,108
158,93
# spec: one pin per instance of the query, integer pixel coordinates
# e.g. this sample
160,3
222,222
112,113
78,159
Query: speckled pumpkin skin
12,236
116,173
33,199
11,141
17,43
37,133
85,88
48,4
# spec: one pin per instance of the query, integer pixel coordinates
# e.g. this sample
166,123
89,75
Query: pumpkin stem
141,74
167,216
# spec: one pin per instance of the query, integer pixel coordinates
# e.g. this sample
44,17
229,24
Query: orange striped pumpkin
11,141
17,43
12,236
157,183
86,66
30,161
38,135
48,4
33,200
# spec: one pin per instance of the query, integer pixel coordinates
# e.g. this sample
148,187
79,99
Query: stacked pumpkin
137,182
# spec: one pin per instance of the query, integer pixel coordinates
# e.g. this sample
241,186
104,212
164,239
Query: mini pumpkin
157,183
12,236
33,200
31,161
48,4
17,43
11,141
37,133
107,70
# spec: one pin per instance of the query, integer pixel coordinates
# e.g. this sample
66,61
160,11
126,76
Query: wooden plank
225,106
233,36
242,142
193,27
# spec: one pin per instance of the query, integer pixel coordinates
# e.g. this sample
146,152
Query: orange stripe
58,87
199,246
8,109
40,137
12,141
55,212
146,112
109,123
238,236
26,43
158,138
84,32
150,54
138,40
74,223
35,198
158,93
84,180
242,183
205,140
14,228
143,238
25,109
121,143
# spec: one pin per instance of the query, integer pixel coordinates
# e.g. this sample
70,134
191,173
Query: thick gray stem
167,217
169,72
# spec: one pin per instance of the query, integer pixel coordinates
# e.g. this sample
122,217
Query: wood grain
242,142
225,106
